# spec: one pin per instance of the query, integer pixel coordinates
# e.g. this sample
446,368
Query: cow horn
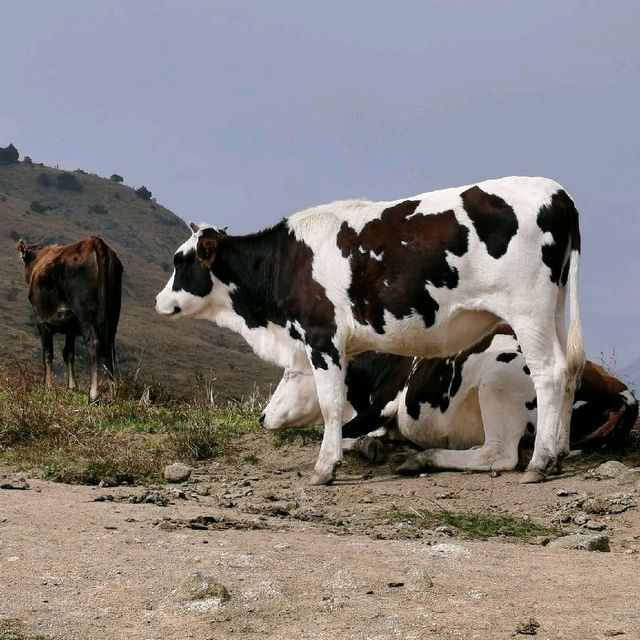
194,227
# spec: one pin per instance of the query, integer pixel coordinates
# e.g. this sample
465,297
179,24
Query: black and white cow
469,412
425,276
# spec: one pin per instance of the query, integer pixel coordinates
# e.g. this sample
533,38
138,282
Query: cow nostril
176,309
261,418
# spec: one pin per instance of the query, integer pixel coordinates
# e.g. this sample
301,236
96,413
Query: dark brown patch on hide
395,257
494,220
560,219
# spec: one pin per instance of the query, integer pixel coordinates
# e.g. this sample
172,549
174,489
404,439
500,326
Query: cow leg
548,365
46,338
369,447
332,395
69,355
504,419
108,361
93,347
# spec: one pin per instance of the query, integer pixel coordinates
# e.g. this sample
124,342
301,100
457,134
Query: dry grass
128,436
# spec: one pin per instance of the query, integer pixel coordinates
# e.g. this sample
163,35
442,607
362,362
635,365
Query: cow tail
109,293
575,347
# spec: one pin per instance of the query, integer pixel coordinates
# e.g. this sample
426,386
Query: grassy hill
145,235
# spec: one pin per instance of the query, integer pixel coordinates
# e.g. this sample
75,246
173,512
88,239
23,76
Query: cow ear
206,249
194,227
22,248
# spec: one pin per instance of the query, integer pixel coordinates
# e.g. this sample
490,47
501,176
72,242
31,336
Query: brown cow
75,289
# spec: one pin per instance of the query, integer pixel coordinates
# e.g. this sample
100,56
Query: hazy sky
239,113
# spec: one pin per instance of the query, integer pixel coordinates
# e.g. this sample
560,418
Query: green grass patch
303,436
130,434
472,525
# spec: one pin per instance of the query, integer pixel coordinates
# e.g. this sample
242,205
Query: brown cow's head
23,249
28,254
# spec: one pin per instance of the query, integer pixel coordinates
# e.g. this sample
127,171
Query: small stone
610,469
595,505
580,519
565,492
418,579
611,633
177,472
595,525
444,530
167,525
201,593
17,485
542,541
203,489
528,628
582,542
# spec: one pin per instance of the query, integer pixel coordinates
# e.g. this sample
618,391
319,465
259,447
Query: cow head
295,403
189,290
28,254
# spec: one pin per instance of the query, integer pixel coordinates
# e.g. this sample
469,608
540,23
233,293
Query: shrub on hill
38,207
8,155
69,182
100,209
144,193
44,180
27,160
116,178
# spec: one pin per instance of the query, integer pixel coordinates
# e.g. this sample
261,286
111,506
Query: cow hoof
324,477
318,479
555,468
372,449
410,467
531,476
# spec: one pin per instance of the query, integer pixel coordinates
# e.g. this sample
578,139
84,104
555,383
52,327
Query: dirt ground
317,563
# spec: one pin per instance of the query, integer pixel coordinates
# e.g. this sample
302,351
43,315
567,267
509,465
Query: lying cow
75,289
468,412
426,276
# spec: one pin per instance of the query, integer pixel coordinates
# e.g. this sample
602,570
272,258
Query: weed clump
473,525
131,434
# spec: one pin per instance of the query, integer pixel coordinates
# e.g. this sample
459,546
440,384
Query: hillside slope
145,236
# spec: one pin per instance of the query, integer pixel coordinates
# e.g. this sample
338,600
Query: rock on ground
177,472
582,542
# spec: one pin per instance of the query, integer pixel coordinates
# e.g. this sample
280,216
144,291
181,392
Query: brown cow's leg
46,338
93,347
108,361
69,355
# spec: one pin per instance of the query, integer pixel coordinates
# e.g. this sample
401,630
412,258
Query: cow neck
253,268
